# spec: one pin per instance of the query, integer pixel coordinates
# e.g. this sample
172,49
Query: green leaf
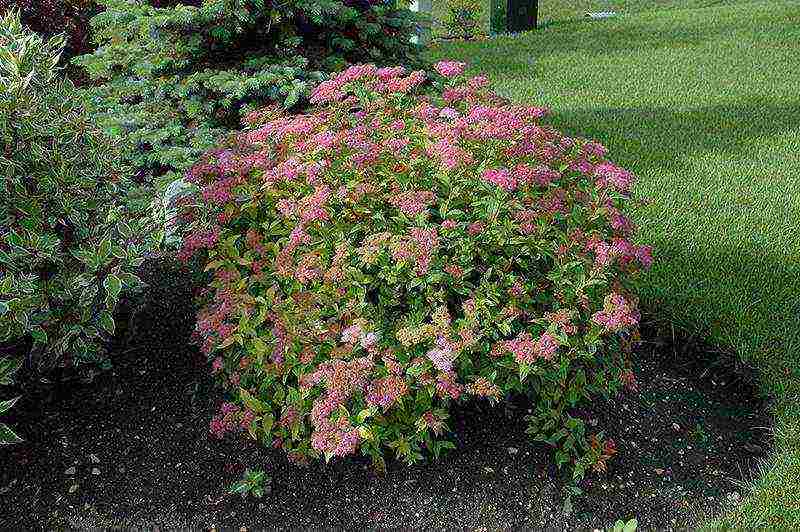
8,436
113,285
251,402
8,367
631,526
39,335
5,406
107,322
104,249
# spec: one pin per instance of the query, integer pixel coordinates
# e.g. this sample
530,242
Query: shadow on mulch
132,450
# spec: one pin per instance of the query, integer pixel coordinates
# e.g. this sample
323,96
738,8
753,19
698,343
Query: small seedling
253,482
700,435
623,526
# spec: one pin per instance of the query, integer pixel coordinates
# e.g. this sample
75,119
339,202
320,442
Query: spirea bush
71,233
176,75
387,254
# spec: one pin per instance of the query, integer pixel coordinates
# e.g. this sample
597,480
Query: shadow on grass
647,138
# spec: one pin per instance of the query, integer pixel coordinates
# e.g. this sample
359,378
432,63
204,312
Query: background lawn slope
703,103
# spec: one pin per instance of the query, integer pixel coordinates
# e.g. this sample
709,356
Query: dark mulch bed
132,450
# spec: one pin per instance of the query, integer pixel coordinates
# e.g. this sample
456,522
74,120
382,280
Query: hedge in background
179,74
387,254
53,17
69,240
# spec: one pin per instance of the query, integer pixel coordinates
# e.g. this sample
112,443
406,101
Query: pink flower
352,334
478,82
546,346
449,224
617,314
644,254
449,112
413,202
386,391
450,69
501,177
610,175
387,73
442,356
475,228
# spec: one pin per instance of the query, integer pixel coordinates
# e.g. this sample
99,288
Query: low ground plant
387,254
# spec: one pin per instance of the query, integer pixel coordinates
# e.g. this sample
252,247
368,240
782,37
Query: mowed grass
558,11
704,105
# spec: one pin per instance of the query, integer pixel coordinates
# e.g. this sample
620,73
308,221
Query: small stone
121,469
513,450
95,471
676,427
488,470
73,488
70,471
94,459
659,471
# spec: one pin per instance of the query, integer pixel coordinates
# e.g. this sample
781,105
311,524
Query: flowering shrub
386,254
177,74
70,235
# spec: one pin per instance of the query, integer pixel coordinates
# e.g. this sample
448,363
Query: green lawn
703,103
558,11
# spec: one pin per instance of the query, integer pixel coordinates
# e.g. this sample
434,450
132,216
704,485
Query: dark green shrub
54,17
498,15
181,74
68,238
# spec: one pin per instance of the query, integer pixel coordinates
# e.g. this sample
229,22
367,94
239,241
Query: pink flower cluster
450,69
442,356
386,392
501,177
413,202
385,80
617,314
198,240
526,350
610,175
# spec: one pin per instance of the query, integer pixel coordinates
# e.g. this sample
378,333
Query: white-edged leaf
107,322
8,436
5,406
112,284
